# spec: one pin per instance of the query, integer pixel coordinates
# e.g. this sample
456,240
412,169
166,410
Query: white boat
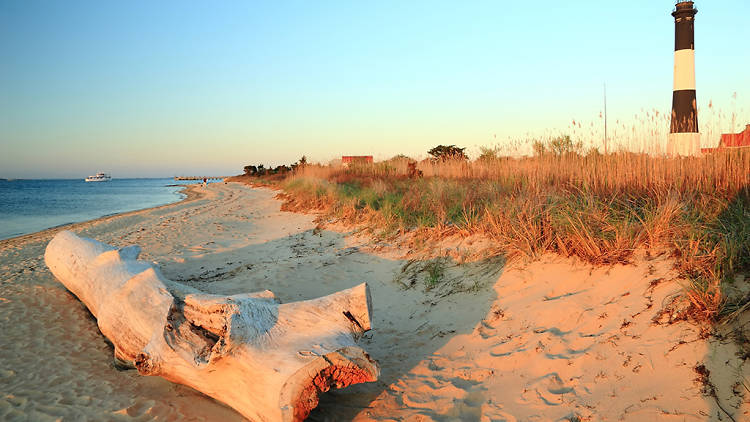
99,177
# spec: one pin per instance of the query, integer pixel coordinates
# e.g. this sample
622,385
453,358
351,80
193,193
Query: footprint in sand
549,390
510,345
565,345
492,412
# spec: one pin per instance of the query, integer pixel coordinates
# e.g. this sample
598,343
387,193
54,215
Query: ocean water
28,206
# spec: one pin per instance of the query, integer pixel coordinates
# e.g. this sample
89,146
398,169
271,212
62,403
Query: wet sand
548,340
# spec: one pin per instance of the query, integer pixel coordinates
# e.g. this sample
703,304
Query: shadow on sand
418,306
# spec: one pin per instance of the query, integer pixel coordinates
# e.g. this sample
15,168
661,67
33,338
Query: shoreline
551,339
189,192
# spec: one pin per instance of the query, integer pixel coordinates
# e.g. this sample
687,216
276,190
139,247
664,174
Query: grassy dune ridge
599,208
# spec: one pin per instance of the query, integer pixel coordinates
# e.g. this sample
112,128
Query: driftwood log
269,361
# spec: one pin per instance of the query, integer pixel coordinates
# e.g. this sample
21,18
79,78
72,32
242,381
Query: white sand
548,341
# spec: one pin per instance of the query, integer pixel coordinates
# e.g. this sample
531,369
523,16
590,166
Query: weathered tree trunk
269,361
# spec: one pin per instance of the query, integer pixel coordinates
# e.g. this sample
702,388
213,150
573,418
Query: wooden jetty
200,177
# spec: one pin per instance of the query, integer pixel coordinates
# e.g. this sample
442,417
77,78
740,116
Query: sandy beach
549,340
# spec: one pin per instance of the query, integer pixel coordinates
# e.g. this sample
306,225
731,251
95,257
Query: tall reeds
600,208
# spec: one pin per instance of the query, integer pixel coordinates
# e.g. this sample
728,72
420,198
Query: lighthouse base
684,144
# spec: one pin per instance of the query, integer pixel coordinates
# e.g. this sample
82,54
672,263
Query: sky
153,89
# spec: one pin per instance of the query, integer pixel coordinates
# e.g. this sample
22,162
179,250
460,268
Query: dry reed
600,208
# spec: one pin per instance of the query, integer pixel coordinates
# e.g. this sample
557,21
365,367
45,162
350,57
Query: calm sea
27,206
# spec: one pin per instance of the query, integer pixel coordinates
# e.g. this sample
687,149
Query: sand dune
549,340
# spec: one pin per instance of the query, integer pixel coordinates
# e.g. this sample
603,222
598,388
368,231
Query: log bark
267,360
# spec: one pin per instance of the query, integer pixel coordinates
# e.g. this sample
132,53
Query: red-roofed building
732,140
348,160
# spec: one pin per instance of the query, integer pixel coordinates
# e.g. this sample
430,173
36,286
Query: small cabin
348,160
732,140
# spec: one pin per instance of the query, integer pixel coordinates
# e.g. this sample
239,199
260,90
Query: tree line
261,170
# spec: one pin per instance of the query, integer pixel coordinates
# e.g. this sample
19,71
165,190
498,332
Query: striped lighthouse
684,138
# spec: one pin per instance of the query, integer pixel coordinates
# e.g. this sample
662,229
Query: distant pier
200,177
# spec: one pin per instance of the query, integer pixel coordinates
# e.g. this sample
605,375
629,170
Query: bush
564,145
450,152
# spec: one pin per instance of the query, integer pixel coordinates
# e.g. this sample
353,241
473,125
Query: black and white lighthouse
684,138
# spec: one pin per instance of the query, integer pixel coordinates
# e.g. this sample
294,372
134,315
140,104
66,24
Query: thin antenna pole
605,118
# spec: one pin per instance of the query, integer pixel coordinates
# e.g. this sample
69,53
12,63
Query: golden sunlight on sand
550,340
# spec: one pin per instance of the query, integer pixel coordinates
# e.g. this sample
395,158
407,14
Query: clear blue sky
158,88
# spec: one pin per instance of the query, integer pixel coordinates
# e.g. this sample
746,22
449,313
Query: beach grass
599,208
